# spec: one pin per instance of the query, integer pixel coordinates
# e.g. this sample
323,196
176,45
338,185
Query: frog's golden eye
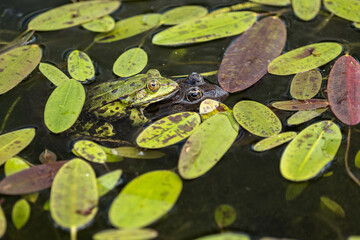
193,94
153,85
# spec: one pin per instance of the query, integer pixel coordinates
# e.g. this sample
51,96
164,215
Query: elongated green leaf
257,118
16,64
274,141
328,204
304,58
169,130
80,66
128,234
137,153
296,105
107,182
13,142
129,27
306,85
306,9
14,165
210,107
64,106
357,159
3,223
225,215
347,9
353,238
90,151
145,199
20,213
273,2
225,236
307,155
206,146
53,74
294,189
102,24
182,14
72,14
130,62
74,195
304,116
206,28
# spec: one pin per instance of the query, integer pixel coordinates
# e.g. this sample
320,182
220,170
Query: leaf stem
73,233
9,113
90,45
353,177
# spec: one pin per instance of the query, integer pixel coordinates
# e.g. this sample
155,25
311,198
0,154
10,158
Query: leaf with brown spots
210,107
90,151
130,62
103,24
129,234
80,66
182,14
306,85
347,9
297,105
134,152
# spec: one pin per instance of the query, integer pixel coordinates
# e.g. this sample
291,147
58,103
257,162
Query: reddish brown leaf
298,105
30,180
344,90
246,60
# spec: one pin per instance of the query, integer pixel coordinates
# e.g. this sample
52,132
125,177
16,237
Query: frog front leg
137,116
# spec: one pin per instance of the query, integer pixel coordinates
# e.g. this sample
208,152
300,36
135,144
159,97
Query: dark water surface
249,181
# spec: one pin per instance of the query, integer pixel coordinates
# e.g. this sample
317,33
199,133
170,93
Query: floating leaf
210,107
31,197
145,199
347,9
90,151
137,153
12,143
273,2
182,14
3,223
274,141
130,62
328,204
225,215
72,14
306,9
16,64
128,234
300,105
107,182
53,74
304,58
208,143
129,27
169,130
252,54
295,189
30,180
20,213
64,106
357,25
102,24
306,85
304,116
257,118
343,90
225,236
307,155
14,165
357,159
74,195
206,28
46,205
353,238
80,66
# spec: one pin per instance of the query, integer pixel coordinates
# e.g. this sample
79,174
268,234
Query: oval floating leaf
102,24
206,28
252,53
53,74
129,27
3,223
90,151
344,90
16,64
304,58
274,141
328,204
307,155
182,14
205,147
357,159
80,66
357,25
225,215
12,143
72,14
306,9
304,116
294,189
128,234
107,182
145,199
74,195
137,153
130,62
20,213
257,118
225,236
169,130
273,2
347,9
210,107
306,85
297,105
64,106
14,165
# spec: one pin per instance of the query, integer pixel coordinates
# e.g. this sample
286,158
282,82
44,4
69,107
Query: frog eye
193,94
153,85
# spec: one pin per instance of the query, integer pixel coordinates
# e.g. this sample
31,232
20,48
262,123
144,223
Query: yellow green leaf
102,24
90,151
16,64
273,2
274,141
128,234
53,74
294,189
357,25
306,85
225,236
137,153
257,118
347,9
328,204
306,9
72,14
206,28
357,160
107,182
64,106
130,62
210,107
145,199
304,116
307,155
169,130
300,105
14,165
20,213
225,215
80,66
353,238
182,14
304,58
3,223
46,205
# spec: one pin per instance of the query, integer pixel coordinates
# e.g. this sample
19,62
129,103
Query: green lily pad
357,160
20,213
80,66
3,223
257,118
304,116
306,85
128,234
130,62
182,14
225,215
145,199
137,153
347,9
72,14
328,204
307,155
294,189
90,151
64,106
306,9
53,74
14,165
274,141
206,29
16,64
210,107
225,236
304,58
108,181
102,24
300,105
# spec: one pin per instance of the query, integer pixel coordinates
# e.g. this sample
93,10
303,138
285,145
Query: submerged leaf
20,213
297,105
210,107
273,2
274,141
107,182
3,223
295,189
53,74
225,215
130,62
80,66
137,153
182,14
357,159
226,236
102,24
128,234
347,9
306,9
304,116
306,85
328,204
90,151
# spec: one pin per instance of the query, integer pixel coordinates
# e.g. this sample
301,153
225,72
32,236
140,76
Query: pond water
251,182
